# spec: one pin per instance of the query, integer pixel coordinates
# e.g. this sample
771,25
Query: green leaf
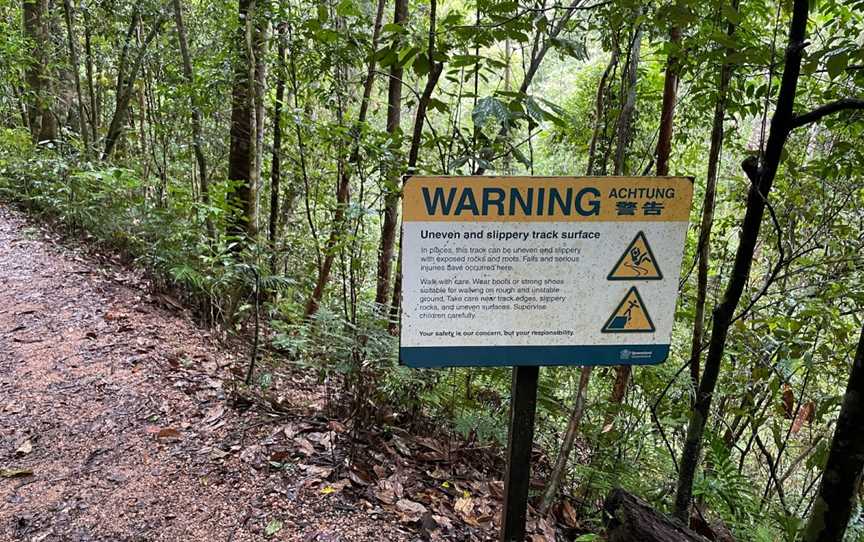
730,14
273,527
489,108
323,15
837,63
572,48
346,8
457,163
723,39
521,157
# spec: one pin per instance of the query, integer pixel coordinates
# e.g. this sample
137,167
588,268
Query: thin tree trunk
704,247
560,468
35,13
436,68
598,108
670,96
761,177
125,89
623,136
842,476
259,51
391,198
276,158
625,118
241,156
73,60
197,140
343,190
88,51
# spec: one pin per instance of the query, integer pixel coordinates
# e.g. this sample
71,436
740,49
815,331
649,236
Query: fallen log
630,519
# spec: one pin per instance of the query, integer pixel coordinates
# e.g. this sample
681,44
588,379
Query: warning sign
637,262
631,316
527,270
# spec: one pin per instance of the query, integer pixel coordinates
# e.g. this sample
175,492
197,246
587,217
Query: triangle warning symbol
637,262
631,316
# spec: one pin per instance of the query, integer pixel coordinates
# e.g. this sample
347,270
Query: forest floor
118,421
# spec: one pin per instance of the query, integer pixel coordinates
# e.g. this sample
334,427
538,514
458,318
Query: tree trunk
126,88
599,108
343,190
197,140
842,476
630,519
391,198
761,178
73,60
241,155
625,118
560,468
88,52
435,70
260,41
623,136
35,14
704,247
670,96
275,160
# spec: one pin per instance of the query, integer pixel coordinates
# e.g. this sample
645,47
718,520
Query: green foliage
805,296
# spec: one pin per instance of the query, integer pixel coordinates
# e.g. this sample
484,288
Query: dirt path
119,408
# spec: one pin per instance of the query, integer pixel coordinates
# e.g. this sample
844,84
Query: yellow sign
631,316
547,199
637,262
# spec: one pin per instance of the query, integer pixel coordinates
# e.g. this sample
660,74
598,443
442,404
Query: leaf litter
133,393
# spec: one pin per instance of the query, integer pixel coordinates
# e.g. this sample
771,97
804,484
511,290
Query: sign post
520,440
532,271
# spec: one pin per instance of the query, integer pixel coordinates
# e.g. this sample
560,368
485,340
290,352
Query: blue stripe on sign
500,356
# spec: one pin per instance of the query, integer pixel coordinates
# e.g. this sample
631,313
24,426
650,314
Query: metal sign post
523,405
531,271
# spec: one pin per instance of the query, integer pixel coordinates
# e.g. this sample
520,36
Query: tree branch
825,110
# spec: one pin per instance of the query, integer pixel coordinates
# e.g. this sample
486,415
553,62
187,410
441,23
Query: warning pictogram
637,262
631,316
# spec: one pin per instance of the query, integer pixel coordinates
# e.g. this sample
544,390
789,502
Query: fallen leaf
317,471
290,431
337,426
388,491
464,506
217,453
380,471
169,435
15,473
410,511
14,408
335,487
25,448
280,456
360,477
214,414
569,517
304,446
401,446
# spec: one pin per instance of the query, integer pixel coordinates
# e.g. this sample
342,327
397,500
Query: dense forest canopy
250,156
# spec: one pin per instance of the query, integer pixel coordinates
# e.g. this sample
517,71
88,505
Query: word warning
541,270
